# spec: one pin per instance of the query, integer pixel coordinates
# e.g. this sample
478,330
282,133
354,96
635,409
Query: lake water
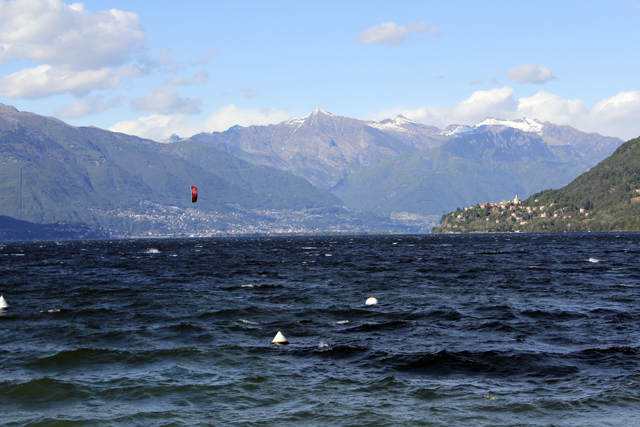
470,330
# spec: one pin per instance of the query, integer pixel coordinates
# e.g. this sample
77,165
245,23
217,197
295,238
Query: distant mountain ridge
324,149
365,163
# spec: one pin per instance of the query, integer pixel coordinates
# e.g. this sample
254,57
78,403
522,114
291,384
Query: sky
157,68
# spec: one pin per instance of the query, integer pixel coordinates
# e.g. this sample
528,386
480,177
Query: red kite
194,194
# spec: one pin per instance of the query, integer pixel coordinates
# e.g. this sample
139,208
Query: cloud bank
396,34
159,127
47,80
51,32
77,50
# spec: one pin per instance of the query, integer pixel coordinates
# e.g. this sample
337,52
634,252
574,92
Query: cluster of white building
515,205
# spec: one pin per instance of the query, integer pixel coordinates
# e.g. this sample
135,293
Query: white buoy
3,303
279,339
371,301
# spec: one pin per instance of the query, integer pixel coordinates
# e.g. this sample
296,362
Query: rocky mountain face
323,148
566,143
569,143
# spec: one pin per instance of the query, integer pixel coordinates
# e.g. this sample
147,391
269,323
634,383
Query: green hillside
605,198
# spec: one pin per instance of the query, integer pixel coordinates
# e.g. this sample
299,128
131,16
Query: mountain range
399,166
318,173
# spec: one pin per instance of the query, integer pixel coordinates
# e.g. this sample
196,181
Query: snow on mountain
402,124
398,124
297,122
525,125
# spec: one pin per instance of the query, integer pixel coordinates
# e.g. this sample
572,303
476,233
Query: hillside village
510,216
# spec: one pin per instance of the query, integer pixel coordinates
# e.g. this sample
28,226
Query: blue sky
154,68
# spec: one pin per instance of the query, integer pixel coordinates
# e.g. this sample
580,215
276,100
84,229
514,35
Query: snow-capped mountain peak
525,124
298,120
321,111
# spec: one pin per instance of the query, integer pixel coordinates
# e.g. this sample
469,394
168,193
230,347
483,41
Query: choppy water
477,330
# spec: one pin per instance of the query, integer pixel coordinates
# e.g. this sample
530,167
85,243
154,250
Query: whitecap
249,322
323,345
594,260
249,285
340,322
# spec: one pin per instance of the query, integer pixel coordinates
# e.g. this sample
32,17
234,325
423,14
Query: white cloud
51,32
482,103
158,127
46,80
391,33
548,107
614,116
80,108
167,100
617,115
77,51
530,74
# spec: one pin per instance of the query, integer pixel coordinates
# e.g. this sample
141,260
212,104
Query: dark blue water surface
470,330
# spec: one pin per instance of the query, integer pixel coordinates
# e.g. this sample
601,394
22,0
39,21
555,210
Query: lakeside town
508,216
156,220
